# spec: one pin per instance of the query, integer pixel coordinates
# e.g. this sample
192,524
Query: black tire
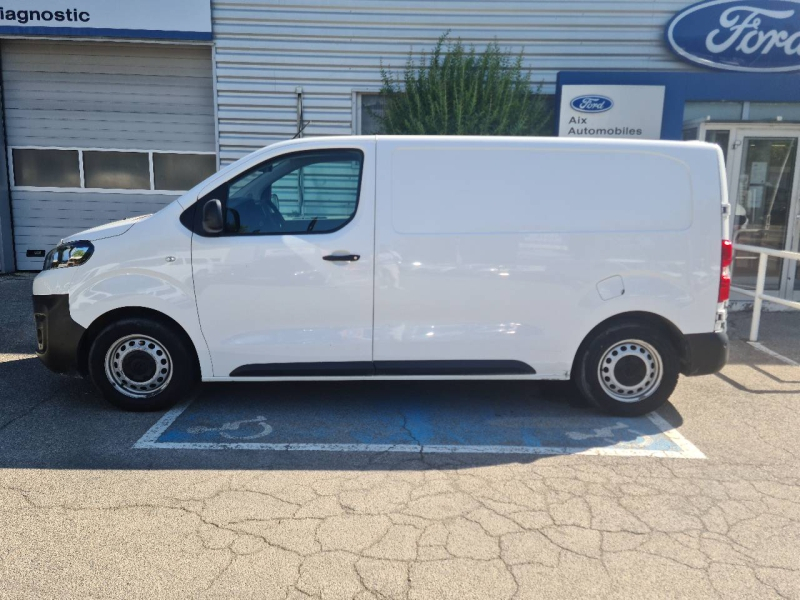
136,385
657,350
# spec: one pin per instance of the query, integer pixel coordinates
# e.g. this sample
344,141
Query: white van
604,261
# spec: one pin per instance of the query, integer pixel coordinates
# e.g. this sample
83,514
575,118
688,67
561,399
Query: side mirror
212,217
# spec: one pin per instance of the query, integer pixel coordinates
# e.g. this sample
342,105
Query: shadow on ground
69,426
48,421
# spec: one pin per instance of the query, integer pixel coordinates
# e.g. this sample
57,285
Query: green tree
458,91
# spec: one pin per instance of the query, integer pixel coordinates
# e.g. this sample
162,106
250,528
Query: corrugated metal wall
332,48
126,96
100,95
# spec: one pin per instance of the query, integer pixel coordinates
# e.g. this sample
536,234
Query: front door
763,176
286,288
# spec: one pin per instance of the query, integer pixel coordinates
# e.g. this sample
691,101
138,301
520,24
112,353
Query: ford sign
735,35
592,104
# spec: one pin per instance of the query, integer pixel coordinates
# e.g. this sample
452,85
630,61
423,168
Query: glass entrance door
763,176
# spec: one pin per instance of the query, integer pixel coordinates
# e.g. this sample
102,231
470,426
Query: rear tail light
724,287
725,272
727,253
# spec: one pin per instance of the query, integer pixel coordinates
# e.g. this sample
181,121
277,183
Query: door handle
342,257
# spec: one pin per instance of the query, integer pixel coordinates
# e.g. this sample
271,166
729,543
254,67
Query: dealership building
111,109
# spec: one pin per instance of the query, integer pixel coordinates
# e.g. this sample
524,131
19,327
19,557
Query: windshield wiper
311,225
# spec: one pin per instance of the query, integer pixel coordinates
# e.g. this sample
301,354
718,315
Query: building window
116,170
93,170
722,138
774,111
181,171
370,109
46,168
690,134
712,111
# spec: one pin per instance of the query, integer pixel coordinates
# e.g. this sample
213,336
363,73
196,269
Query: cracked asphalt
86,515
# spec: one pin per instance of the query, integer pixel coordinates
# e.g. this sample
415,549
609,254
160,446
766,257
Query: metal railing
758,294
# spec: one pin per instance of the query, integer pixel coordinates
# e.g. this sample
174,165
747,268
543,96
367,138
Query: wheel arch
129,312
639,318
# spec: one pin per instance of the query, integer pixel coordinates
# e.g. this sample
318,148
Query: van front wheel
628,370
140,365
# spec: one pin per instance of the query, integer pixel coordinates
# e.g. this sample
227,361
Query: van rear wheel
628,370
140,364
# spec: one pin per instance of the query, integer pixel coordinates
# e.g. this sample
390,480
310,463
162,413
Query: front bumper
57,335
705,353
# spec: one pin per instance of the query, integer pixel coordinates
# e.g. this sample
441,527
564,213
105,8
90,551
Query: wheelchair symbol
259,422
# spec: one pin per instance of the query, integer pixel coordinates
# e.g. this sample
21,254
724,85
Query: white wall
267,48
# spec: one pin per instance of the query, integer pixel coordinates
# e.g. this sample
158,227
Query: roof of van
488,139
541,142
333,140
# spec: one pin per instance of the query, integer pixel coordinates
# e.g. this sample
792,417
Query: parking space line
149,441
150,438
773,354
688,449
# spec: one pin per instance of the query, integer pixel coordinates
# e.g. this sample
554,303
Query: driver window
309,192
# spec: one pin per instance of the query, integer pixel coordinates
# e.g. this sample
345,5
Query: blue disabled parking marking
408,418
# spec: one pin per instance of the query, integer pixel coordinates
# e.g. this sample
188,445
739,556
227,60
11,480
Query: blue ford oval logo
592,104
739,35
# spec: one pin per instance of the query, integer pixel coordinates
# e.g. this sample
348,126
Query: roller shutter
101,97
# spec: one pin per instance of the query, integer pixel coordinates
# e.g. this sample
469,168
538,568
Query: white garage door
98,132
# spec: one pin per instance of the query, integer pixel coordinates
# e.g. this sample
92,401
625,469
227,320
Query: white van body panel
492,249
473,249
269,299
133,271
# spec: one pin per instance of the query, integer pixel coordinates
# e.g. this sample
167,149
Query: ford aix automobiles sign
739,35
591,104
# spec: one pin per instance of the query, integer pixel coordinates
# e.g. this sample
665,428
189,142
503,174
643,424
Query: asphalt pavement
407,490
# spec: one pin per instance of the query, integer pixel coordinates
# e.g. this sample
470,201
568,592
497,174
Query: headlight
70,254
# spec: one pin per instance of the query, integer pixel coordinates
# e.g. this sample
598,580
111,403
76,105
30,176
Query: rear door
286,289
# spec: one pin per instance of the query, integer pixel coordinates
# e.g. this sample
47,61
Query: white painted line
151,436
149,441
773,354
688,449
414,449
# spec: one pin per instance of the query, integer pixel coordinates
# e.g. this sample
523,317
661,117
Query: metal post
7,261
760,279
299,92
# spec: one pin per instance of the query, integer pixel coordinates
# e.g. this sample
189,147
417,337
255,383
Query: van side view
601,261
